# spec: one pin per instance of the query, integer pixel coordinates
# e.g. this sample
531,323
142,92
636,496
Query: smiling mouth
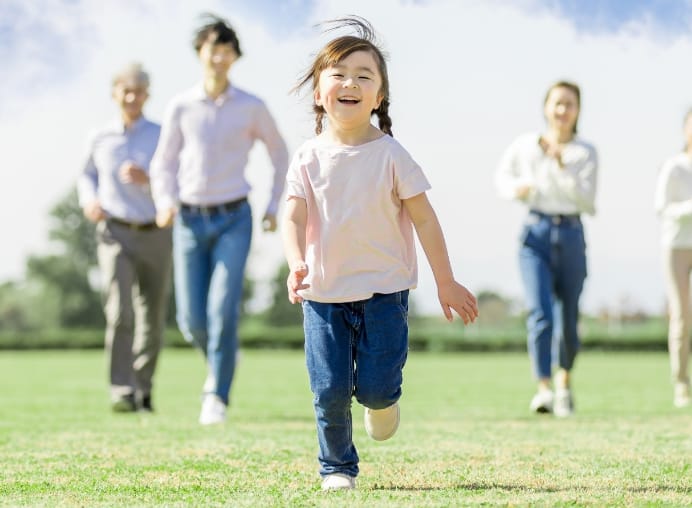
348,100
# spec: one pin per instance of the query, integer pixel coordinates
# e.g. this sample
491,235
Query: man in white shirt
200,189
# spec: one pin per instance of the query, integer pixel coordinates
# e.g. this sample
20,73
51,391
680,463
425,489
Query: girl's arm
293,234
451,294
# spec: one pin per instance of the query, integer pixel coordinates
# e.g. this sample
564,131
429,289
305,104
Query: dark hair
338,49
569,86
218,31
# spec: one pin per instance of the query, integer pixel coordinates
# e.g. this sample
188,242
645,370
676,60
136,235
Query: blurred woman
554,174
674,207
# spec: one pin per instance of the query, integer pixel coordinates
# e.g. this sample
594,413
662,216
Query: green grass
466,436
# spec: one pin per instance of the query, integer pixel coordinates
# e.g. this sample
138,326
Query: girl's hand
295,281
453,295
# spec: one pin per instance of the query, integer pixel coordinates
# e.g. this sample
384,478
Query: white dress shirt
204,146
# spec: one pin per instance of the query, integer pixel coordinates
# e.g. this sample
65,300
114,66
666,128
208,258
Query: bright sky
467,77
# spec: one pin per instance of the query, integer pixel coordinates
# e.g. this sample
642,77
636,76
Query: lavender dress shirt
204,146
107,150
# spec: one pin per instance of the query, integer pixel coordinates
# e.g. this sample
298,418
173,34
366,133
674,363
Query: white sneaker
338,481
381,424
213,410
542,402
209,383
681,395
563,406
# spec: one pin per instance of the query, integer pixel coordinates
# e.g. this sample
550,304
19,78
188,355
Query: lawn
466,438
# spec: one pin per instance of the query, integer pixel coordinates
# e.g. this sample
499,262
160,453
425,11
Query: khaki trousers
136,278
677,267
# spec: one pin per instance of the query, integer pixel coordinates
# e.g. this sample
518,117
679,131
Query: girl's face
217,58
350,90
562,109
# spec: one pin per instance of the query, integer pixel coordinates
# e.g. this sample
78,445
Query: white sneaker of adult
563,406
542,402
381,424
213,410
209,383
338,481
681,395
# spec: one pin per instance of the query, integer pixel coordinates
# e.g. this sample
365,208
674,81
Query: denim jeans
552,259
209,255
357,348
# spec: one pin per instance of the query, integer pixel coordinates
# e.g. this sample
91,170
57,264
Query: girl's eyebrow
358,69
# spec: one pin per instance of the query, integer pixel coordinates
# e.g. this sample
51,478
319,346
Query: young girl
554,175
353,196
674,207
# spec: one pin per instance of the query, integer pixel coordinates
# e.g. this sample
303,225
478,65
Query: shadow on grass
475,486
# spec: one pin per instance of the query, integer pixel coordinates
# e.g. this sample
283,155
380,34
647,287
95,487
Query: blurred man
199,184
134,254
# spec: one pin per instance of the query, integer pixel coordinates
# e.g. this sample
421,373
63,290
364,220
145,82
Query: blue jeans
357,348
552,259
209,255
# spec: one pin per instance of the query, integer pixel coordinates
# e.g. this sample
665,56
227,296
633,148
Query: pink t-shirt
359,237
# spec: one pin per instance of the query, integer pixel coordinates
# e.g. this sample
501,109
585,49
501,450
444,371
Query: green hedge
426,334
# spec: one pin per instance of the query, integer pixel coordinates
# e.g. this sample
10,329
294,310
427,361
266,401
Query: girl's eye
337,75
364,77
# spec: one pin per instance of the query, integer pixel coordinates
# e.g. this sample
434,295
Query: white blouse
555,189
673,201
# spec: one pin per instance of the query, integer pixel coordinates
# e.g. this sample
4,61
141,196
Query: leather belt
213,209
146,226
557,218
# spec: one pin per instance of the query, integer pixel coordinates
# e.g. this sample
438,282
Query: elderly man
134,254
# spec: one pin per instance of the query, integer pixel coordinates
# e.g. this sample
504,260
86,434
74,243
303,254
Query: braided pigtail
319,115
384,120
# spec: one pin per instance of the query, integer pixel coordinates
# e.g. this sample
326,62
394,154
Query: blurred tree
64,281
248,294
63,277
13,312
282,312
493,308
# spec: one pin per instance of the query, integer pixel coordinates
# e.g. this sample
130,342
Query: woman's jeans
209,254
357,348
552,259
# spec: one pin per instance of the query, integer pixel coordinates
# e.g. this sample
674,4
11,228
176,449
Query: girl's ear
316,97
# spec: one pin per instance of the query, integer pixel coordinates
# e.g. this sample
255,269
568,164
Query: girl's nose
350,83
129,97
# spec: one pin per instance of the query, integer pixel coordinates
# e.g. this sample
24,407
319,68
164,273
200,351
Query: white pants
677,267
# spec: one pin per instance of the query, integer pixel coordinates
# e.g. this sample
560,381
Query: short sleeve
295,186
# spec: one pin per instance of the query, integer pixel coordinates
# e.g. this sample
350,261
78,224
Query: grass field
466,436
